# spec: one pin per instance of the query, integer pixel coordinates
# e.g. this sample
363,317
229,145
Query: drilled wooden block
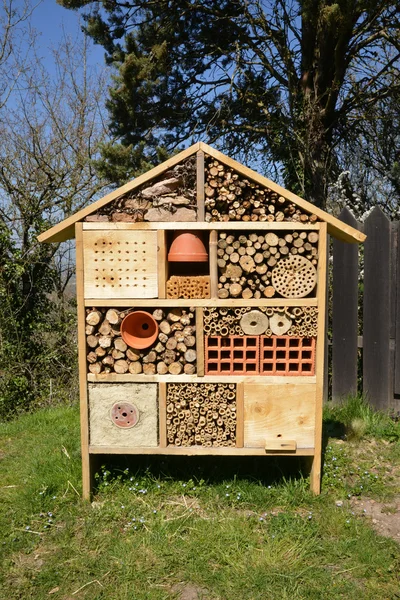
105,400
120,264
188,287
279,412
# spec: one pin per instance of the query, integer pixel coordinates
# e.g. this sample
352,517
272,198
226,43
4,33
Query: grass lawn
194,528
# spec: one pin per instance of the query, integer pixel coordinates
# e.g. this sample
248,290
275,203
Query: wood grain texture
212,302
345,315
213,263
240,415
274,445
279,411
197,451
315,475
83,396
200,185
193,226
127,377
162,263
376,352
65,230
162,410
120,264
200,342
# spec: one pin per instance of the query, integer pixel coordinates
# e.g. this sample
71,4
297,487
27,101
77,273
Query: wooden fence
366,313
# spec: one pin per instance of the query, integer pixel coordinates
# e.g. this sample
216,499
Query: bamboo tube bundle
201,414
231,197
172,197
256,265
174,352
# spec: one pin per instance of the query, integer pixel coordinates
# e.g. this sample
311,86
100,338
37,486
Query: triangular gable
66,229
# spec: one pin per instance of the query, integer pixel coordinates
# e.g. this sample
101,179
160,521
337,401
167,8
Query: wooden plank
278,411
345,315
215,302
197,451
193,226
396,285
335,227
200,185
376,353
127,377
120,264
65,230
315,475
82,367
162,412
280,445
200,342
239,415
213,263
162,263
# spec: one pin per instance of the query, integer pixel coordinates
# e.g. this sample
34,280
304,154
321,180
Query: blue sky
49,19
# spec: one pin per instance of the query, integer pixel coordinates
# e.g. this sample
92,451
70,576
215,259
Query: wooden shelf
205,302
260,379
193,225
199,451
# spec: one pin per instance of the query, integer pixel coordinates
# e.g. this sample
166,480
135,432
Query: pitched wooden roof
66,229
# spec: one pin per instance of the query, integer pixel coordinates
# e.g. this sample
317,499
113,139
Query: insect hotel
201,290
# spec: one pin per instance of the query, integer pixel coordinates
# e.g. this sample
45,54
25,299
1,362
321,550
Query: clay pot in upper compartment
187,247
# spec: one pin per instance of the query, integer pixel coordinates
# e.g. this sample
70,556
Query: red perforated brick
232,355
287,355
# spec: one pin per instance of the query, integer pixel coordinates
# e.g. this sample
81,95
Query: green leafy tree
274,82
51,128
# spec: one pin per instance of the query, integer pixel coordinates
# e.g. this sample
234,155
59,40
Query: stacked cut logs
172,197
201,414
245,261
174,352
197,286
301,321
231,197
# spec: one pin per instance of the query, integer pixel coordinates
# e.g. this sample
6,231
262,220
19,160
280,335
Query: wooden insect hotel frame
201,290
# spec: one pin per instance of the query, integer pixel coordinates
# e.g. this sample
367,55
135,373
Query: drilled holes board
120,264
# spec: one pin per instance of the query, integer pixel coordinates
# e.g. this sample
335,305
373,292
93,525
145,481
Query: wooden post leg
315,474
90,465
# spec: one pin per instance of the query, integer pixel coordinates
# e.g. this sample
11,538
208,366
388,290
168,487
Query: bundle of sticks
174,352
231,197
201,414
245,261
300,320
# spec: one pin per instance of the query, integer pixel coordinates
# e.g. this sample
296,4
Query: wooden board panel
200,185
239,415
284,411
192,226
376,352
120,264
162,414
197,451
162,265
213,263
200,342
345,309
128,377
230,302
83,400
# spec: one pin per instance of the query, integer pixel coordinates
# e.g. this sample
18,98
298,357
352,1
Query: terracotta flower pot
187,247
139,330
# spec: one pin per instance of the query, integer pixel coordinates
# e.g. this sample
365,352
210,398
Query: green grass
244,529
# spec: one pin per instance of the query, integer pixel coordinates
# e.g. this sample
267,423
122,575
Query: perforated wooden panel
120,264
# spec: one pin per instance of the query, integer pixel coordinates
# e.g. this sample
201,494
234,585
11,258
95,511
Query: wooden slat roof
66,229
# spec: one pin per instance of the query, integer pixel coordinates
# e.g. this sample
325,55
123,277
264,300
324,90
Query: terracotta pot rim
134,320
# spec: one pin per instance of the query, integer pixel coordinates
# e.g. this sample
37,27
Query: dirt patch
384,516
188,591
